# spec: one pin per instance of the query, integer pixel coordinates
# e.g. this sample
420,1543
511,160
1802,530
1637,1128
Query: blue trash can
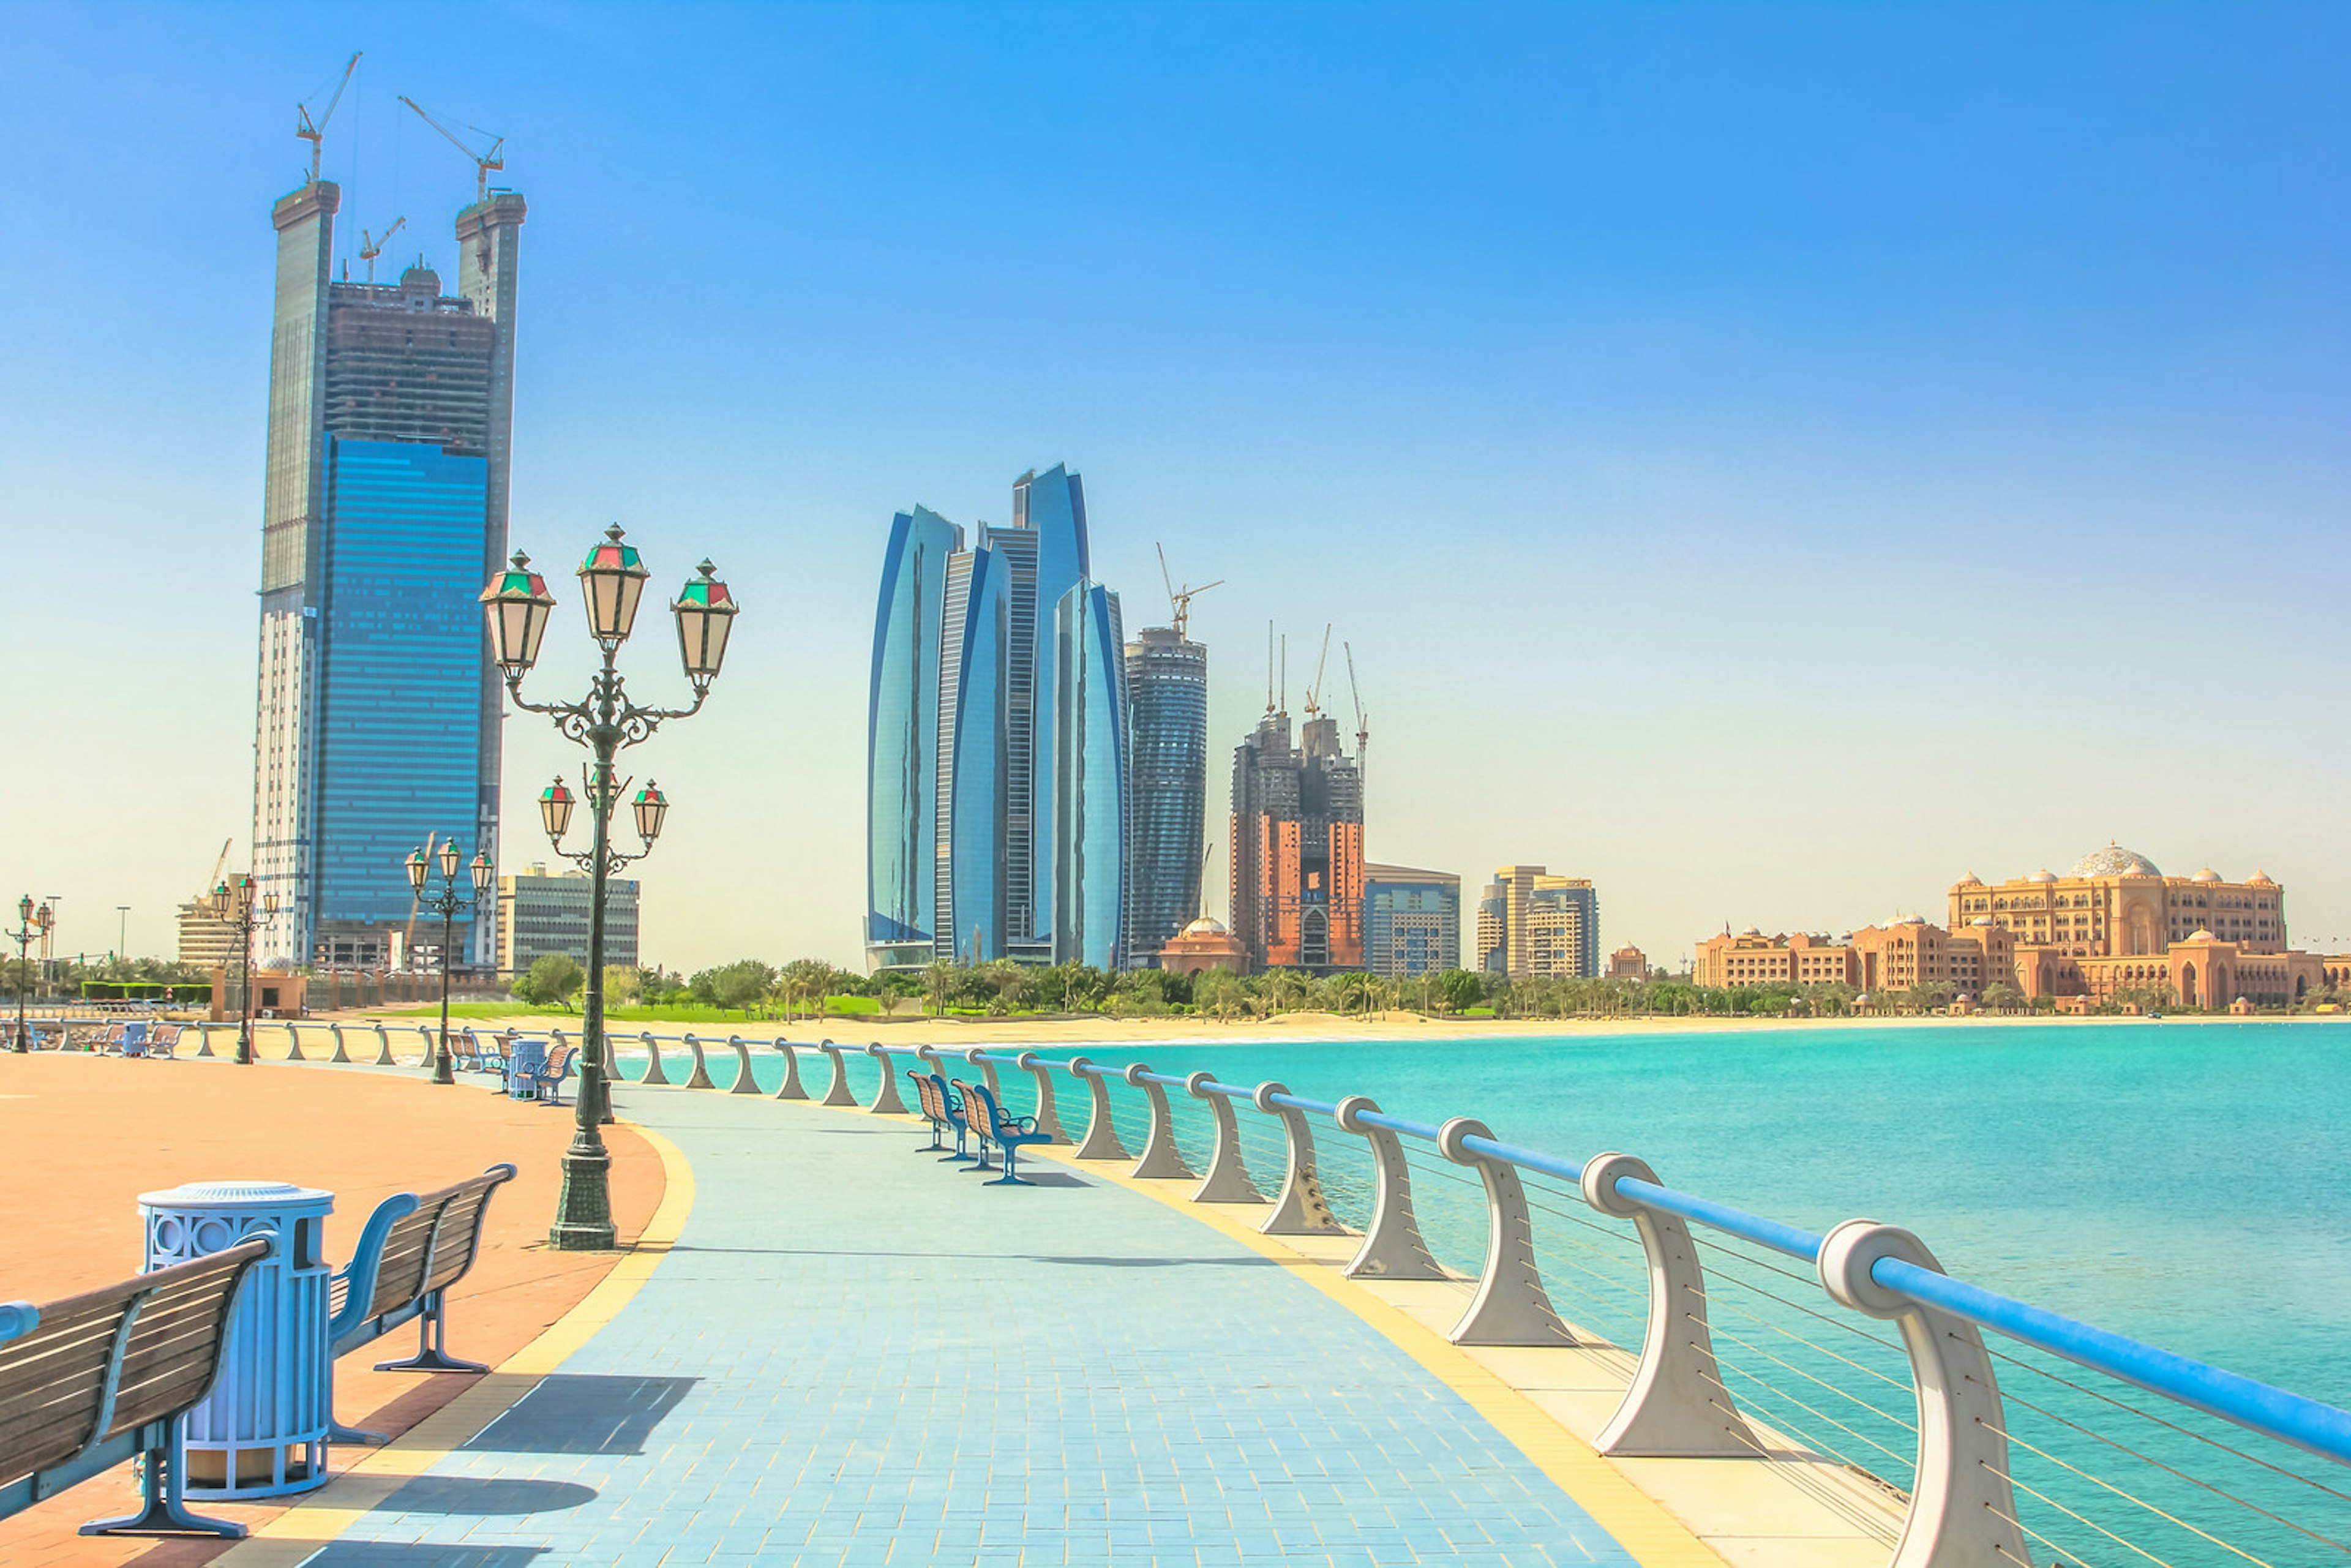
262,1432
525,1060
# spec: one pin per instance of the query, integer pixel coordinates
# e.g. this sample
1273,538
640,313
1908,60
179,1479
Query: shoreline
1303,1027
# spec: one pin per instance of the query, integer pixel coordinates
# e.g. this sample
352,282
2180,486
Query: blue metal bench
942,1111
547,1082
1008,1133
95,1379
412,1250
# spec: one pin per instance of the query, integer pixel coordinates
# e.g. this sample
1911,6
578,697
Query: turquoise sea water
2180,1183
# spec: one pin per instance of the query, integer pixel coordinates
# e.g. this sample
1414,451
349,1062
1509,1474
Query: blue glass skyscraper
1168,731
354,543
1090,789
902,767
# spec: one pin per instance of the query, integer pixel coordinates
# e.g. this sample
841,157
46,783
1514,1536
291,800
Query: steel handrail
1317,1107
2295,1418
1228,1091
1420,1130
1787,1240
1530,1159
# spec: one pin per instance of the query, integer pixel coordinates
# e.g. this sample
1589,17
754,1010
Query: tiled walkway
857,1355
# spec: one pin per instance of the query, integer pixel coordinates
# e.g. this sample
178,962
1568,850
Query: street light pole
233,904
448,904
30,923
606,722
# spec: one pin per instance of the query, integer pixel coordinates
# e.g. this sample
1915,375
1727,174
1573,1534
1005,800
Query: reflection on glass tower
1167,702
972,747
1090,787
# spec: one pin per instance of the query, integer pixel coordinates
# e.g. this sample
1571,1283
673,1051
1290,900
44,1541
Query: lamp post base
583,1210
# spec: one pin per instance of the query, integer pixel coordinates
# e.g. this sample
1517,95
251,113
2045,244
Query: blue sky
1771,459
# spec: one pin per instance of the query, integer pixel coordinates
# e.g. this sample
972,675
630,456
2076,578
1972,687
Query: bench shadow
571,1413
484,1495
1247,1261
418,1554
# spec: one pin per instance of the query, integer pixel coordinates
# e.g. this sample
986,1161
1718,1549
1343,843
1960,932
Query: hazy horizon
1772,462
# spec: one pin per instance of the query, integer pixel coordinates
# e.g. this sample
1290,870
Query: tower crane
371,246
408,935
483,162
1314,691
1362,724
218,860
315,132
1179,600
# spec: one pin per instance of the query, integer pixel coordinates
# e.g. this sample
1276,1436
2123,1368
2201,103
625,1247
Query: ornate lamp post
448,904
32,924
606,722
232,902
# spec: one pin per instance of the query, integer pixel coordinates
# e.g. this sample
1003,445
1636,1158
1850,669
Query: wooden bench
412,1250
95,1379
996,1125
940,1110
163,1041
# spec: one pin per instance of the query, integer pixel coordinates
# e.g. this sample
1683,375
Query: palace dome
1206,925
2115,861
2260,879
2044,875
2206,874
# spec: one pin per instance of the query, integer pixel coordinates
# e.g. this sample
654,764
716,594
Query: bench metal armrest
367,1258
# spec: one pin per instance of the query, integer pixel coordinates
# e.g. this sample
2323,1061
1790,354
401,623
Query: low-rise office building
540,914
1412,920
1534,925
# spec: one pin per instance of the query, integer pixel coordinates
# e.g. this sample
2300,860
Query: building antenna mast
1268,669
315,132
1179,600
483,162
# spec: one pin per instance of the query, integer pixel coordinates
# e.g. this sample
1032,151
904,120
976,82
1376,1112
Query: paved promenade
854,1354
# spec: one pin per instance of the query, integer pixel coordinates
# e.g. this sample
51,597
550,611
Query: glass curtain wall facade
1051,555
1167,701
1090,789
902,751
974,678
398,749
368,365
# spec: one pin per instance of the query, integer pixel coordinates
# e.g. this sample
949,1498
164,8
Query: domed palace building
2115,927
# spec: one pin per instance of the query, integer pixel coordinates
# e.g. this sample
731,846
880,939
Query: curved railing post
383,1057
744,1082
1047,1123
203,1038
1511,1307
1227,1180
653,1074
294,1041
1101,1136
789,1089
976,1056
700,1077
1677,1407
839,1094
1161,1161
1962,1504
341,1054
1300,1211
425,1034
885,1099
1392,1247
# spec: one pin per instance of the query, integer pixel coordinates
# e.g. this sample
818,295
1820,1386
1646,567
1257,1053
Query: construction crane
1179,600
408,937
315,132
1362,724
371,246
218,860
1314,691
483,162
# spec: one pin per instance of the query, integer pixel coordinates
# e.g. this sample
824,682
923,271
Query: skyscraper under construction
1167,696
1298,847
384,509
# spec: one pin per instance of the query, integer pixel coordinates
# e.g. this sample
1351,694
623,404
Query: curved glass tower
1090,789
902,742
973,743
1168,704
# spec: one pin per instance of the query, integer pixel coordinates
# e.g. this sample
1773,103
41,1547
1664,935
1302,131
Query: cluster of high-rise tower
1037,785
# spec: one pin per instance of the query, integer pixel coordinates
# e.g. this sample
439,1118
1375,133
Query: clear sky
1769,459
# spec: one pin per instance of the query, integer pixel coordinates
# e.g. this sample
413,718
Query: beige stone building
1534,925
2114,902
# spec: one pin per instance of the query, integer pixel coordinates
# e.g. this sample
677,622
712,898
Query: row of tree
812,988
